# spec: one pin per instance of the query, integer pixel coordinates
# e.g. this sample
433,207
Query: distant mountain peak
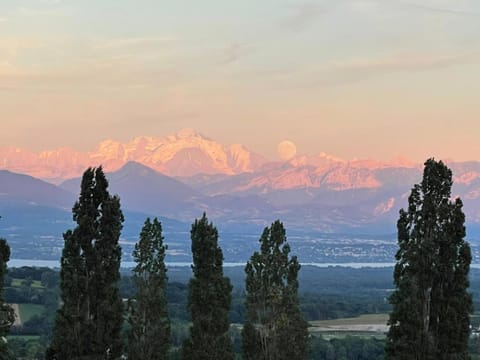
136,167
185,153
401,161
324,155
187,133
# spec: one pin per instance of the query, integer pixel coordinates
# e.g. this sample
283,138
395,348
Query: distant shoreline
128,264
131,264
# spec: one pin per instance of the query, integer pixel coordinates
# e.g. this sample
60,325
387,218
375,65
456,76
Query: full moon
286,150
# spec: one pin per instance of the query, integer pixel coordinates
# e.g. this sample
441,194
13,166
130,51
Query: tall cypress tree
88,322
209,298
274,326
149,334
431,305
7,315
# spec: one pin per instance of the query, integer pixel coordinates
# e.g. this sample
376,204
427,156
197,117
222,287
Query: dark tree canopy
274,326
431,305
209,297
7,315
89,321
149,333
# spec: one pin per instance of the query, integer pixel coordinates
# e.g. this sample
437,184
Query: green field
24,337
18,283
27,311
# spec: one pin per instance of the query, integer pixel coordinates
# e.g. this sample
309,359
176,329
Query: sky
352,78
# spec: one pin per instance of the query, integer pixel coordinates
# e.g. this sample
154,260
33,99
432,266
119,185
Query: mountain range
183,175
187,172
185,153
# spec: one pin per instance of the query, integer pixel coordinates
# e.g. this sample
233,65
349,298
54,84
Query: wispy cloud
41,12
11,46
405,62
120,43
445,10
85,78
9,70
233,52
3,19
51,2
302,15
344,72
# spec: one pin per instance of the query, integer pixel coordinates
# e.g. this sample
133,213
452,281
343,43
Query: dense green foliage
7,316
209,297
89,320
149,332
274,326
431,306
358,291
346,348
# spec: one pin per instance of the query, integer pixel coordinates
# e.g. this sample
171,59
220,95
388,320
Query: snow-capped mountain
214,169
185,153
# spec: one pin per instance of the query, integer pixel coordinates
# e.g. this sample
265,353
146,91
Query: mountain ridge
217,169
165,155
38,211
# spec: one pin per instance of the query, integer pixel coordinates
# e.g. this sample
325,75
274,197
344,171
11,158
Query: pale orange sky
353,78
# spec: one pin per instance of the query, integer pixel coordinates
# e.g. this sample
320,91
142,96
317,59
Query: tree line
430,304
89,321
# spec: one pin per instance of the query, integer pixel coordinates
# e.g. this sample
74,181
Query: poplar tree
209,297
274,326
149,333
88,323
431,305
7,315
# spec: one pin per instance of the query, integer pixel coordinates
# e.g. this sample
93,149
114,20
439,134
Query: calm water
128,264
